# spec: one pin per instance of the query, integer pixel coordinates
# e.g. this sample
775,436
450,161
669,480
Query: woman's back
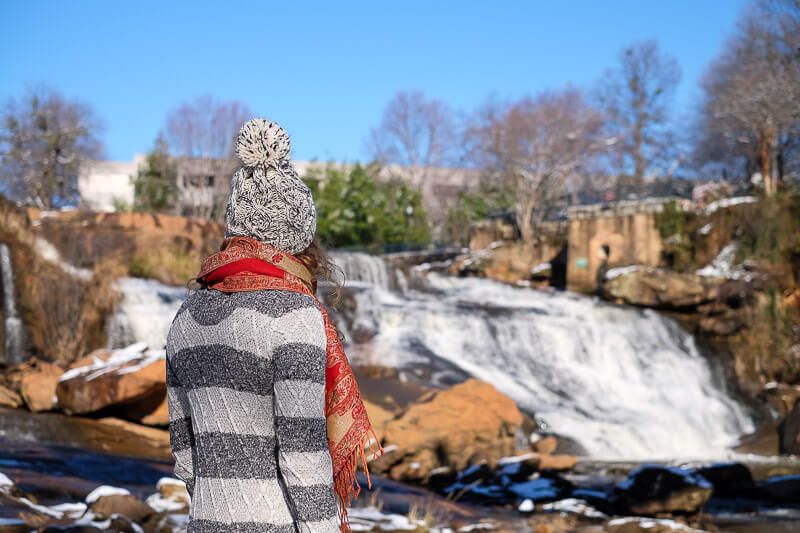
246,384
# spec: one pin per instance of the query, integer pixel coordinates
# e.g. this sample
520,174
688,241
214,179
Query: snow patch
122,361
654,523
729,202
105,490
612,273
574,506
722,266
5,481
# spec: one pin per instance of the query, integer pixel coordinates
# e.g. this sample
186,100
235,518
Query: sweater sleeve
304,461
181,436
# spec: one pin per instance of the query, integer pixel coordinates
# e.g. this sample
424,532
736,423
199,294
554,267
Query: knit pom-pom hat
269,202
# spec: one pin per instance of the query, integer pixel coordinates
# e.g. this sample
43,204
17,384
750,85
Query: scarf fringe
345,482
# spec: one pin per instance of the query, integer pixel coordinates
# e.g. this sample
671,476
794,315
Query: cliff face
163,247
65,264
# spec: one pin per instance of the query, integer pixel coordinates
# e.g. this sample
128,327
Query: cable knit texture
268,200
246,395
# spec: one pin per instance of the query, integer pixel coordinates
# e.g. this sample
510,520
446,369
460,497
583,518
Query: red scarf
245,264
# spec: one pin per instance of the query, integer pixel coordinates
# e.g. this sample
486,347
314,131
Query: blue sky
325,70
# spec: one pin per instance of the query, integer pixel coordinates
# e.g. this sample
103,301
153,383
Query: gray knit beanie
268,201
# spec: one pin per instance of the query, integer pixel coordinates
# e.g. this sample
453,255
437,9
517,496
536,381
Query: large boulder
133,375
38,386
789,429
467,424
660,288
651,490
9,397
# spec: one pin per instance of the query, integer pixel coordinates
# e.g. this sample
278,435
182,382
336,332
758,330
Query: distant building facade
105,185
203,184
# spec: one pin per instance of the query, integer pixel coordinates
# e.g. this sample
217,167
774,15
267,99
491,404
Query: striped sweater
246,395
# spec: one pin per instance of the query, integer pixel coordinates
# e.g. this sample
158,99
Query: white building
104,185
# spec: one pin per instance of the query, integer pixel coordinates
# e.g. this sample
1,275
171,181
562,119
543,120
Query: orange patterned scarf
245,264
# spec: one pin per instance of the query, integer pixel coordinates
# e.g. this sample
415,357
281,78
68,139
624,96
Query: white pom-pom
261,142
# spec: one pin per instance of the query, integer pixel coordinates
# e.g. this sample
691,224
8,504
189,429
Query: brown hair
317,260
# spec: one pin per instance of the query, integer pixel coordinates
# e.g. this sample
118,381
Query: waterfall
364,268
144,313
14,333
622,382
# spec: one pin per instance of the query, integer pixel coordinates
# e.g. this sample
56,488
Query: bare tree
202,134
45,140
536,146
636,96
752,91
415,132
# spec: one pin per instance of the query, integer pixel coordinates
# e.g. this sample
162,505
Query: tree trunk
765,141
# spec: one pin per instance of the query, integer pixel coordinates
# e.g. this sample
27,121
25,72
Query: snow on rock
369,518
70,509
105,490
49,253
722,266
574,506
165,481
612,273
160,504
705,230
651,523
541,267
527,506
5,481
123,361
729,202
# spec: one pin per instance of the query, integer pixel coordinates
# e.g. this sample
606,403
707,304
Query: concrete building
104,185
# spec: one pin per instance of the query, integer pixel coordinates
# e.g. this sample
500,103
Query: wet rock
557,462
542,489
781,489
107,435
730,480
159,416
121,504
9,397
661,288
38,386
652,490
519,468
647,525
129,376
466,424
547,444
764,441
789,431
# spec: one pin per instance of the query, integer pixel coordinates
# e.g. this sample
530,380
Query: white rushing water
144,313
14,332
624,383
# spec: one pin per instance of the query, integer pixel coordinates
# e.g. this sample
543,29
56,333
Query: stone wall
619,234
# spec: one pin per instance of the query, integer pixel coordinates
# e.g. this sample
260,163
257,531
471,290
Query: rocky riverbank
461,457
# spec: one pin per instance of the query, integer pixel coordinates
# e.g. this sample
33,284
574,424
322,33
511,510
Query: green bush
357,209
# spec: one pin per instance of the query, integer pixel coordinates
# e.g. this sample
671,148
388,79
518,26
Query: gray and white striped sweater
246,393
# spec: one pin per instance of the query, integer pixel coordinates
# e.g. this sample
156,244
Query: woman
266,421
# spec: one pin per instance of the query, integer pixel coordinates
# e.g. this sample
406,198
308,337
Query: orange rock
545,445
91,388
38,386
9,398
557,462
159,417
456,427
